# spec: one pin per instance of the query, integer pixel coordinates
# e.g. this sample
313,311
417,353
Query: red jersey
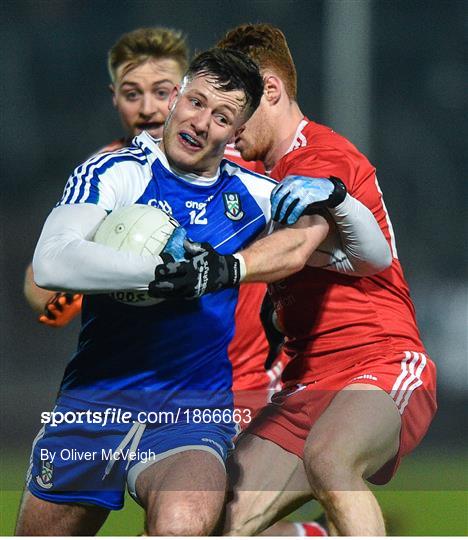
330,318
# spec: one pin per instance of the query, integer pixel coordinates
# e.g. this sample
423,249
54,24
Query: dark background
408,104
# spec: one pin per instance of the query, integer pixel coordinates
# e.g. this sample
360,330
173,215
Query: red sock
312,528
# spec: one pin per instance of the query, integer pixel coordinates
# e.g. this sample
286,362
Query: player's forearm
364,244
284,252
35,296
67,260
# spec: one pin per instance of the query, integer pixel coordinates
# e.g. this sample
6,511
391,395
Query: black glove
274,337
203,272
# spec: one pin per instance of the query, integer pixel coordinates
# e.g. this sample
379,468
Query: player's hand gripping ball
203,271
146,231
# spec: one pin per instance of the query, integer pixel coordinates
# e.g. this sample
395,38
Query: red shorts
252,391
409,378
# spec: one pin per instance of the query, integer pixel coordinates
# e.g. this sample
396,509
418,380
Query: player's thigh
38,517
359,431
183,494
267,483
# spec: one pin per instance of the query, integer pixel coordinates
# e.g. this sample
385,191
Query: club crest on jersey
44,479
232,205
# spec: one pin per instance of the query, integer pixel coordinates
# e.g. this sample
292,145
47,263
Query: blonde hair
265,44
142,44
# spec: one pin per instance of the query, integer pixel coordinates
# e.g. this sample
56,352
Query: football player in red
359,390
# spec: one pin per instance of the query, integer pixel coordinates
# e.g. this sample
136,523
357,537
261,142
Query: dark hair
267,46
230,70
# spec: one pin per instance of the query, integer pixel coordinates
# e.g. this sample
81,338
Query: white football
139,229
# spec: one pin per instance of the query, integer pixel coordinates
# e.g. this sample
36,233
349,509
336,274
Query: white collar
144,140
299,139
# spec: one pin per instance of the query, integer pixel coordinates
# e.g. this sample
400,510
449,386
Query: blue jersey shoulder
84,183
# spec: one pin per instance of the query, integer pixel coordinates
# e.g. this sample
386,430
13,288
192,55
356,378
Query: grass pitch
428,497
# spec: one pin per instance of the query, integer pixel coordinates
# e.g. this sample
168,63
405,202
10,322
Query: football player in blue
169,359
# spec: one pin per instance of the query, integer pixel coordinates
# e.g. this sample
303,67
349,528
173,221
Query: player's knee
320,457
329,467
181,520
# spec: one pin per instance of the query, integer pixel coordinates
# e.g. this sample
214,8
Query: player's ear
173,96
272,88
112,91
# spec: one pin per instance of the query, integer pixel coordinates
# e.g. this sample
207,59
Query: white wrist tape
242,265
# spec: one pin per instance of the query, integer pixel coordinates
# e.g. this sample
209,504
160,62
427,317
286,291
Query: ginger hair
267,46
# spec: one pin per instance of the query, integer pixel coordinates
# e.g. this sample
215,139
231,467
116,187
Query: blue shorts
90,464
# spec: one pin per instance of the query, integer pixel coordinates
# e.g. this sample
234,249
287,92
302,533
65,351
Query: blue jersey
173,353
